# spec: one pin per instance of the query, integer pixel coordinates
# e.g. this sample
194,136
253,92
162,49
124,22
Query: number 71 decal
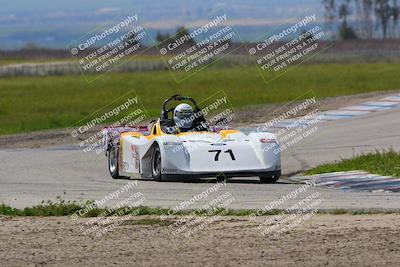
218,152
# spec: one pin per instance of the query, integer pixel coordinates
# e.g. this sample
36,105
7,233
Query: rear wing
112,134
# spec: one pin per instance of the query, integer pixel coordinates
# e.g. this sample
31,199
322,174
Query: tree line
362,19
181,31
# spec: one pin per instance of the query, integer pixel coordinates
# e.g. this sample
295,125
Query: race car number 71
218,152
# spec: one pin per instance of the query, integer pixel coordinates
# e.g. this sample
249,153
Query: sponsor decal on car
135,156
125,166
172,143
169,170
267,140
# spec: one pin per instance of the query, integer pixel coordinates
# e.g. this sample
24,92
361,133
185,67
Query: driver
184,117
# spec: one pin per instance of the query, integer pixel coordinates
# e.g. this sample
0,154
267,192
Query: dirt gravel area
333,240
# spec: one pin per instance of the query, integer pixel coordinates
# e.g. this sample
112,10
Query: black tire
156,164
220,178
113,163
269,179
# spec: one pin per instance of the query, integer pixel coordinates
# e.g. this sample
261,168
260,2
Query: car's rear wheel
113,163
156,164
221,178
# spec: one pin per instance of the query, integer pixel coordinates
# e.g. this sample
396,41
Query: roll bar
164,113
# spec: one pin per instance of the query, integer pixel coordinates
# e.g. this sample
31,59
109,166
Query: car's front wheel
156,164
113,163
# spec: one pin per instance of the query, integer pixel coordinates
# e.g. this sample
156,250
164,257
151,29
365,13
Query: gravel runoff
332,240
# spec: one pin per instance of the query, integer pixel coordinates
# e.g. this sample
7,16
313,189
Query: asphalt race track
28,176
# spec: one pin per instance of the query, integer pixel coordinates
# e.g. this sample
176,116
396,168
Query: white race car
206,151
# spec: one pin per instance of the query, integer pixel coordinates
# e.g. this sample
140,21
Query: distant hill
55,24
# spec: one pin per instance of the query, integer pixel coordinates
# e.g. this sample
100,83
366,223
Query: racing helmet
183,116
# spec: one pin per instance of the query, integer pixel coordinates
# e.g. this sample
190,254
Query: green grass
386,162
36,103
22,60
60,208
68,208
63,208
9,61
